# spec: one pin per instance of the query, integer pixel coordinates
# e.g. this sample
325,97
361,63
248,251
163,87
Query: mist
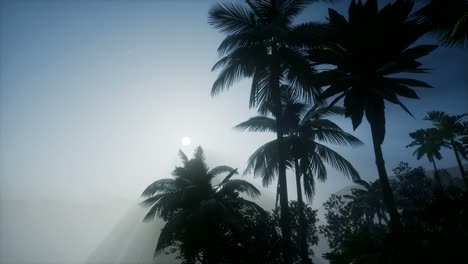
95,98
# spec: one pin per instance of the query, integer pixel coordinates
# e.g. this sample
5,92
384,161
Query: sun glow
185,141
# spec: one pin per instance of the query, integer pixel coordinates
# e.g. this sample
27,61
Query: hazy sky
96,96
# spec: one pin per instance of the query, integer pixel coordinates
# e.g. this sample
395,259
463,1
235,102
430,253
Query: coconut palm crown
307,134
428,143
368,49
263,43
451,128
367,200
193,207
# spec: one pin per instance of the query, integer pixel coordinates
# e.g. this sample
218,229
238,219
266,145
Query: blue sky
96,95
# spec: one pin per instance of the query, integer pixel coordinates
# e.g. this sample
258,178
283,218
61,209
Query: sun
186,141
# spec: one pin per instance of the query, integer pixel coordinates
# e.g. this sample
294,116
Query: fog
95,98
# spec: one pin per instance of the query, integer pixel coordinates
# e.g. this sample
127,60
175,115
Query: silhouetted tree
448,20
413,188
263,43
451,128
198,214
364,246
465,143
255,238
434,230
428,142
305,129
368,200
304,220
341,221
368,50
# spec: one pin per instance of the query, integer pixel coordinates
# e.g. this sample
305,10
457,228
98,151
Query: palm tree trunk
462,171
277,196
284,210
302,222
436,175
386,189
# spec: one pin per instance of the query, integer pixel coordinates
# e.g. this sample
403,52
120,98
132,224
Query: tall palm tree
451,128
306,129
448,20
368,50
263,43
428,143
194,208
368,200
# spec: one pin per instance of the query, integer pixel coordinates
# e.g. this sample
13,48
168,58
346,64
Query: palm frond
241,186
337,161
168,232
317,112
309,35
220,169
363,183
264,10
446,20
436,116
231,18
199,155
312,167
241,63
151,200
289,9
299,73
310,126
337,137
183,157
264,162
228,177
164,206
159,186
260,92
258,124
235,41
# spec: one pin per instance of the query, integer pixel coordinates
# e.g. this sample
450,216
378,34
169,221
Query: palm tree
194,208
306,129
428,142
446,19
451,128
263,43
368,50
465,144
368,200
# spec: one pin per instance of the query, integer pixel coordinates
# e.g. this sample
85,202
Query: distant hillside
131,242
55,231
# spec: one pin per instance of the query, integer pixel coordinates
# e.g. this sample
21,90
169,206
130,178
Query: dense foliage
435,226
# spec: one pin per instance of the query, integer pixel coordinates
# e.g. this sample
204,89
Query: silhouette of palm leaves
190,197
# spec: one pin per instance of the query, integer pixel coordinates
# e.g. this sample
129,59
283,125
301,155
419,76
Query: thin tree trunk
302,221
284,210
436,175
462,171
277,196
386,189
